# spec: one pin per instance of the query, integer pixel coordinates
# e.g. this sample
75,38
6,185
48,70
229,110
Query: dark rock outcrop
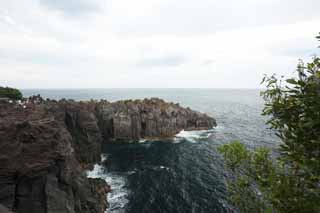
45,146
81,122
148,118
38,168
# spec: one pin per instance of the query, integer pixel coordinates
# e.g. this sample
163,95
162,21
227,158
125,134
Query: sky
153,43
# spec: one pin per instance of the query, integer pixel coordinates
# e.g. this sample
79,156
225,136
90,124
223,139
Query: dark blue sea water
184,174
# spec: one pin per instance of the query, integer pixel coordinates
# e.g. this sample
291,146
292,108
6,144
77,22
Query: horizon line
156,88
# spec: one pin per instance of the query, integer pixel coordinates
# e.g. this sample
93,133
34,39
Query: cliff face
80,120
45,146
38,168
148,118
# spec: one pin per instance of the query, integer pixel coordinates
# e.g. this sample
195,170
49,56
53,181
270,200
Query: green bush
7,92
290,182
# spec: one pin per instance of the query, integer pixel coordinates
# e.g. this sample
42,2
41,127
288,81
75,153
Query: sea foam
118,197
193,136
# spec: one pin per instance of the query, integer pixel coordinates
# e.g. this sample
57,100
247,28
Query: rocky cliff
148,118
45,146
82,123
39,172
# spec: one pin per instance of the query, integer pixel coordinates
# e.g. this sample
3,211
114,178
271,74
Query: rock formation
81,122
39,172
45,146
148,118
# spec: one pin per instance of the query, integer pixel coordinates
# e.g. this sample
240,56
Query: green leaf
291,81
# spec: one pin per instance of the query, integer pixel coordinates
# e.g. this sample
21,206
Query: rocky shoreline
45,146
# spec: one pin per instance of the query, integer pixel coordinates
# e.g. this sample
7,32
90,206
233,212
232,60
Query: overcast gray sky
153,43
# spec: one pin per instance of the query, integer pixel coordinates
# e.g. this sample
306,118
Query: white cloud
74,7
154,43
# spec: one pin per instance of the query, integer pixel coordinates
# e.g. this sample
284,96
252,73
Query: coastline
77,131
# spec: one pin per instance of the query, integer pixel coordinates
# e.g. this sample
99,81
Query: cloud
153,43
191,17
7,19
208,62
73,7
165,61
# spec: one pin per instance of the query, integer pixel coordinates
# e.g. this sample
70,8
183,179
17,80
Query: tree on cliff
290,182
7,92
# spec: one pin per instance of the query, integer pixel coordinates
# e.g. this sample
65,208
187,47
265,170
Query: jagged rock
38,169
43,144
80,120
99,189
148,118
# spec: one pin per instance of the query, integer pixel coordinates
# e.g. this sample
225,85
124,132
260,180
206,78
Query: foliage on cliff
7,92
290,182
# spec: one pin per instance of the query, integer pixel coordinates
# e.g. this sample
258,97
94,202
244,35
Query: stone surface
148,118
4,209
81,122
38,168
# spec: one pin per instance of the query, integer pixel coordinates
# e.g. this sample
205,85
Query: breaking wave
118,197
193,136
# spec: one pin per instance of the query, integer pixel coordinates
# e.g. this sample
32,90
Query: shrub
290,182
11,93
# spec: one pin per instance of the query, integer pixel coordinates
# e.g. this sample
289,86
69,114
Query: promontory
46,145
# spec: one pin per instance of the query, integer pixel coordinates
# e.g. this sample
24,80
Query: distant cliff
45,146
148,118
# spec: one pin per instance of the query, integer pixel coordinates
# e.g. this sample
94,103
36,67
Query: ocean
183,174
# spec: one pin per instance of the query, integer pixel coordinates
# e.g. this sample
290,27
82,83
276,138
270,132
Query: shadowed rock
38,169
80,120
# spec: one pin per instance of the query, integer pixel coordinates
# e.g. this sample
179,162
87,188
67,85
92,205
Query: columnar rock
45,144
148,118
39,172
81,122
